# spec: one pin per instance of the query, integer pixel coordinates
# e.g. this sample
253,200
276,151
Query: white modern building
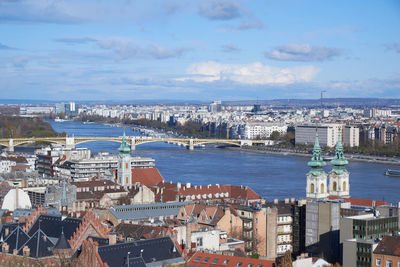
328,134
253,130
5,166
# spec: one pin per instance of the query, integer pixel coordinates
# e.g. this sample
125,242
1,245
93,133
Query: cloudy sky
198,50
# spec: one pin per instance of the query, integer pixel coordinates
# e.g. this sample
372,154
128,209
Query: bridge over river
133,141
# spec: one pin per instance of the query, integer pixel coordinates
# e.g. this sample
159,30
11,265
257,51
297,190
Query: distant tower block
339,177
124,175
316,177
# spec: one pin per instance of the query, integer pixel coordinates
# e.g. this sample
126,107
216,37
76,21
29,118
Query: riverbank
350,157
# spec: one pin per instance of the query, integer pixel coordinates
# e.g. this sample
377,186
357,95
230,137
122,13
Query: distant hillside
17,127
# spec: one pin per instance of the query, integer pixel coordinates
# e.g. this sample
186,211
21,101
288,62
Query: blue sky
198,50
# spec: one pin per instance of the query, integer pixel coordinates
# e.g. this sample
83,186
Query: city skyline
232,50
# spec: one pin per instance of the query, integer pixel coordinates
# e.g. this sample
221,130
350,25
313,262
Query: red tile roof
389,245
208,259
147,176
362,202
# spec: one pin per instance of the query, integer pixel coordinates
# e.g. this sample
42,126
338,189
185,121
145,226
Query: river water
271,176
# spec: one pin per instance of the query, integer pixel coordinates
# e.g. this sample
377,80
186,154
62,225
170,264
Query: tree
274,135
287,259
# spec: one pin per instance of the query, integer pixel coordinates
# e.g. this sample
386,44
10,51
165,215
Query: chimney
276,201
188,185
15,251
286,201
293,200
6,232
179,185
112,238
26,251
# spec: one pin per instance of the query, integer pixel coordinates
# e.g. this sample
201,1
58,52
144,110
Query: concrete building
101,165
322,229
215,107
351,136
367,227
263,130
6,165
358,252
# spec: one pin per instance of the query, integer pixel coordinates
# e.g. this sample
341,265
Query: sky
198,50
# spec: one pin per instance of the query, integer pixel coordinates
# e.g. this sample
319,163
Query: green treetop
316,162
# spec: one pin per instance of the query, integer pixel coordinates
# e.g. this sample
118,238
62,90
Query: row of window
225,262
389,263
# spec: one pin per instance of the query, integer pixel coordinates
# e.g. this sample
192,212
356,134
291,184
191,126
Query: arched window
312,188
334,186
322,188
344,186
126,165
127,180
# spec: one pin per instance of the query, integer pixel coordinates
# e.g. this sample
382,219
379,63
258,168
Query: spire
316,162
124,149
339,162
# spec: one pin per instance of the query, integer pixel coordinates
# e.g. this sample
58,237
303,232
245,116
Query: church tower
124,172
339,177
316,177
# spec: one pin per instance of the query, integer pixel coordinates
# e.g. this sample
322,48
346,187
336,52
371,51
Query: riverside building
329,134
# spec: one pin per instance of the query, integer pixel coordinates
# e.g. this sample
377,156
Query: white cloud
252,74
303,52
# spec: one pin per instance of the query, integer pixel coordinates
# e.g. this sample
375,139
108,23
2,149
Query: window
214,261
378,262
239,264
126,165
199,242
389,263
197,259
225,262
206,259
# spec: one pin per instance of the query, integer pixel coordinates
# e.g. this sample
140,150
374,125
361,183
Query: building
207,259
339,177
351,136
60,108
358,252
322,229
141,212
263,130
367,227
328,134
316,177
102,165
387,253
215,107
124,171
256,226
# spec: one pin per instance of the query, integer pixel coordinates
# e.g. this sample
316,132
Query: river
271,176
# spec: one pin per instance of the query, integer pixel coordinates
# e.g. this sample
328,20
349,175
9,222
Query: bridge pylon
10,145
191,144
69,142
133,143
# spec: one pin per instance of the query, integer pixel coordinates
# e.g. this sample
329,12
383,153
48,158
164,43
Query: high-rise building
316,177
60,107
215,107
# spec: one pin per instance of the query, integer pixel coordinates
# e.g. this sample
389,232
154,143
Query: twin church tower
317,184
